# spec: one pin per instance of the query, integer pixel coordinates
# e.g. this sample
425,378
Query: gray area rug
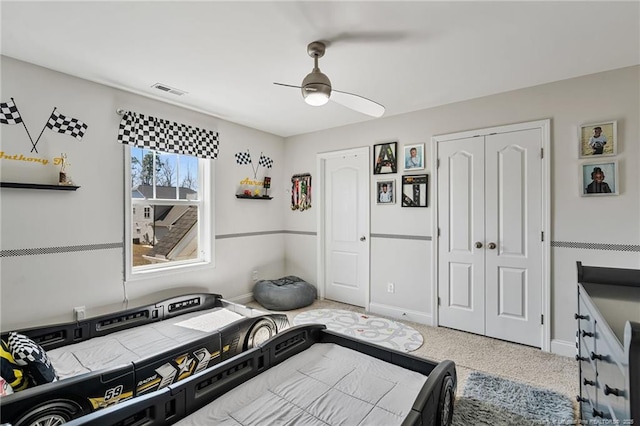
491,400
372,329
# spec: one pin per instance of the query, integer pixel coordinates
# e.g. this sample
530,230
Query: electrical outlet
79,313
391,288
255,276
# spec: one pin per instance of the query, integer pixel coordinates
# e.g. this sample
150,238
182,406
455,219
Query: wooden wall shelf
250,197
38,186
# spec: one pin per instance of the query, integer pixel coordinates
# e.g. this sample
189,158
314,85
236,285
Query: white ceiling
405,55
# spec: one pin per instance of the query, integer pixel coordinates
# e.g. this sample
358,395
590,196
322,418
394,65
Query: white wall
614,220
44,288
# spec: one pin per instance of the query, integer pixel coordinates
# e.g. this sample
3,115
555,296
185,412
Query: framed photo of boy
414,157
598,179
386,192
598,139
415,190
385,158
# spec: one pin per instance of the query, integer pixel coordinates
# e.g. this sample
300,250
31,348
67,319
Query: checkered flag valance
265,162
69,126
165,136
9,113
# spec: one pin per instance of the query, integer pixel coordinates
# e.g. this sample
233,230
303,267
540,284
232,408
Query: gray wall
603,220
84,229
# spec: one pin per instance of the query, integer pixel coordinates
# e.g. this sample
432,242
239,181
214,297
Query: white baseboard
562,347
242,299
399,313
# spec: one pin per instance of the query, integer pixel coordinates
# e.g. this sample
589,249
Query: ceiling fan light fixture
316,94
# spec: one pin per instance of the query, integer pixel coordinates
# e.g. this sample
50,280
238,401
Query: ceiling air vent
168,89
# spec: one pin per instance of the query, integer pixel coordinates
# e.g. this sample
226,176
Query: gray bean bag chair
284,294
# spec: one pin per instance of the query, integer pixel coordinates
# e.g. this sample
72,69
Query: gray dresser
608,344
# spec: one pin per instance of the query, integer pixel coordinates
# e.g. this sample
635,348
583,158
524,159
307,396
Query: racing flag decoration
265,161
9,113
245,158
69,126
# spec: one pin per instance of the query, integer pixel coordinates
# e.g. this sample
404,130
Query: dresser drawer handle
588,382
581,399
599,357
581,317
587,334
612,391
597,413
581,358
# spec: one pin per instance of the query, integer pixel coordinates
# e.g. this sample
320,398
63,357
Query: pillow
10,371
30,355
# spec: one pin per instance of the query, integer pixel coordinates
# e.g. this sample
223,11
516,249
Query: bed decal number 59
113,393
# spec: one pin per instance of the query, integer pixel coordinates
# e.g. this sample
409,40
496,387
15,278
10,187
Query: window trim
206,208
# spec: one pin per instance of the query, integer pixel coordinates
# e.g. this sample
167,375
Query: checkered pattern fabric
165,136
69,126
265,161
243,158
33,357
9,113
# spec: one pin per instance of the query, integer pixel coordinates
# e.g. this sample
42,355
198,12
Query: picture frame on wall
415,190
598,139
386,192
599,179
385,158
414,157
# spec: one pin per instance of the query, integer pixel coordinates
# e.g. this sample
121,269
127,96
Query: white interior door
461,223
346,227
490,264
513,199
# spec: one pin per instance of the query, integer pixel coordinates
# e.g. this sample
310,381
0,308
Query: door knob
363,238
491,246
478,244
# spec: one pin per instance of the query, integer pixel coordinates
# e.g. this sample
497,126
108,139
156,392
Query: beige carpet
472,352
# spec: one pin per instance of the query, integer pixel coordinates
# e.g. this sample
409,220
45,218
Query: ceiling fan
316,88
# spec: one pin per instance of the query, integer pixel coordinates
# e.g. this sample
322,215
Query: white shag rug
380,331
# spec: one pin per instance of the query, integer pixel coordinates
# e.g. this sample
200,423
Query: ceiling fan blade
357,103
287,85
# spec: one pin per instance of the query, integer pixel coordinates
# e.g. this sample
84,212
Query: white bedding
325,385
123,347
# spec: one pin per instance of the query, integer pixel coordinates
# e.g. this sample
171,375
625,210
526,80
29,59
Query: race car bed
111,358
306,375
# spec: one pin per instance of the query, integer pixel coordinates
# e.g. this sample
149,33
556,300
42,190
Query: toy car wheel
261,331
445,404
52,413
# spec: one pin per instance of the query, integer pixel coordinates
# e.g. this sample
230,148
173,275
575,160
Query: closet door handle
478,245
491,246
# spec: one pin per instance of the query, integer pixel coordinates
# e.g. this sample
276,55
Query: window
171,193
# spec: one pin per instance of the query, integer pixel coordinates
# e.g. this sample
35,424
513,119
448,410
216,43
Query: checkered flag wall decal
9,113
67,125
243,158
166,136
265,161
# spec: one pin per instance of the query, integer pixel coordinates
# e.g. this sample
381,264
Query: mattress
326,384
126,346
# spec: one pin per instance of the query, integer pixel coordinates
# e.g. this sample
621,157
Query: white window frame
205,224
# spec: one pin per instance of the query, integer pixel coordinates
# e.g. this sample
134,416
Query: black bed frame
79,395
433,405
